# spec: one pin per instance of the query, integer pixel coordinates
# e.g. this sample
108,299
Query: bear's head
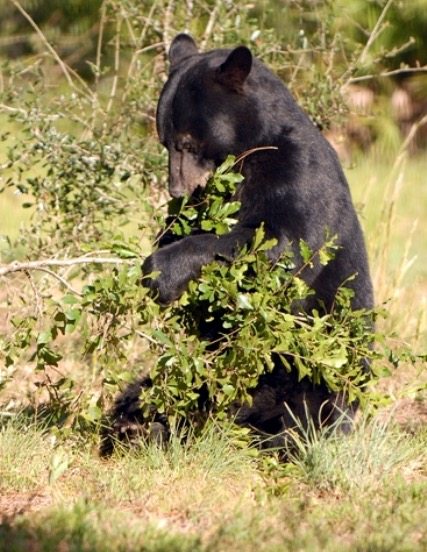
206,111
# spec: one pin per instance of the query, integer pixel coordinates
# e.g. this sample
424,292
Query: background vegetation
84,194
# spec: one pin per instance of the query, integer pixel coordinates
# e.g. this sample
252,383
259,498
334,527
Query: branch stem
44,265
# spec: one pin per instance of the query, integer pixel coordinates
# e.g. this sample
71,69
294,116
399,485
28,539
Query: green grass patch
399,197
366,491
374,453
26,451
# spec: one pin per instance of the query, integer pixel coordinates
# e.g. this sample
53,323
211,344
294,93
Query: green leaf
335,361
48,356
259,237
301,287
227,165
243,302
70,299
306,252
207,225
125,253
267,245
72,315
228,389
44,337
58,466
162,338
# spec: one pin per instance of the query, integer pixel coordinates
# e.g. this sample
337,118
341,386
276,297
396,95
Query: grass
392,205
373,454
22,444
216,495
374,188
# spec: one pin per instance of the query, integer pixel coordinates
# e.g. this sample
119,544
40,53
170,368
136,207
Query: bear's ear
182,46
235,69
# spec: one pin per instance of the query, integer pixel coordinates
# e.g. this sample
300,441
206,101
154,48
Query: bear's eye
189,146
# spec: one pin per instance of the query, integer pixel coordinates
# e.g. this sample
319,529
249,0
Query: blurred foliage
304,24
402,38
318,47
71,26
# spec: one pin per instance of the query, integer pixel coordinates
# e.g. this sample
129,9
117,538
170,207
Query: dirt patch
16,504
407,386
410,413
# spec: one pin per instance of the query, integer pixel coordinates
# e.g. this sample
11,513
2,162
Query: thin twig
407,262
67,71
135,55
376,31
167,24
248,152
189,13
4,107
57,277
148,22
132,34
145,336
399,71
116,65
393,188
38,305
210,25
44,40
407,142
99,45
44,264
373,35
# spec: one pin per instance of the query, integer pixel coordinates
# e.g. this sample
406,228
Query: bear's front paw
168,270
151,275
163,279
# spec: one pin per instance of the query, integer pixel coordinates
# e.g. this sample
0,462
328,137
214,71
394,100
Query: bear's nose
176,192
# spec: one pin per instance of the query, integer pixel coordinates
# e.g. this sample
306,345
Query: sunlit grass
25,453
371,183
363,492
392,203
371,456
205,478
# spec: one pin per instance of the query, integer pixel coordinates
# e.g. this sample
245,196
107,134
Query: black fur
225,102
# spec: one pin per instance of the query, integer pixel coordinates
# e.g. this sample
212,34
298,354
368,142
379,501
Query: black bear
226,102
